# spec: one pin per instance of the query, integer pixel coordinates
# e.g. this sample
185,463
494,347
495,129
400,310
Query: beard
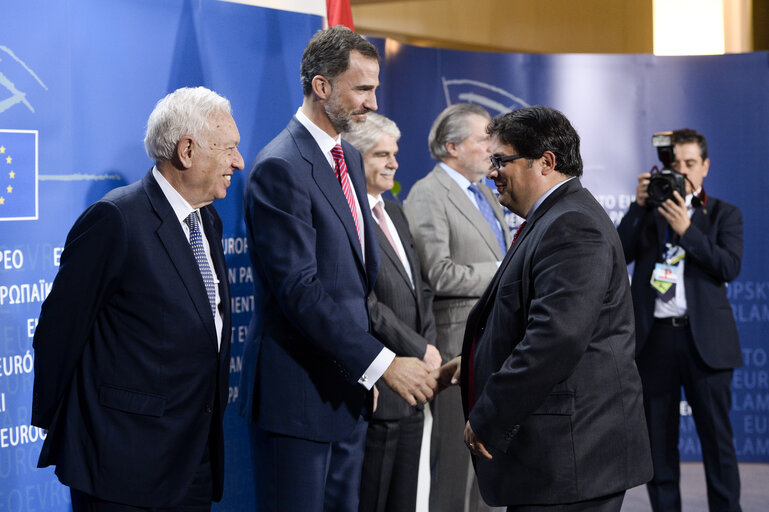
341,120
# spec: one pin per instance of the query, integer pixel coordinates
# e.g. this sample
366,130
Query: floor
754,496
754,479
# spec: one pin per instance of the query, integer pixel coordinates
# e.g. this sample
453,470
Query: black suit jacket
401,315
129,381
713,245
557,394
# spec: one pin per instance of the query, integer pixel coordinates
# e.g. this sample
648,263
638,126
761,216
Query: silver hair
450,126
186,111
364,136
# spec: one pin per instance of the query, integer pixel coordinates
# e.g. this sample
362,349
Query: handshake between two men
419,381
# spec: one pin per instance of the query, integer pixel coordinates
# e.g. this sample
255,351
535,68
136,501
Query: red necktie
340,168
470,380
517,232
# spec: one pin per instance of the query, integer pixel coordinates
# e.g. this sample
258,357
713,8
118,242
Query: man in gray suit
461,237
401,314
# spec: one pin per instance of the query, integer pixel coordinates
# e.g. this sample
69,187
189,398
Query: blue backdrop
78,80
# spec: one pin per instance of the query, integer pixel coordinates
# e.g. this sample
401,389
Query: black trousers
197,499
669,360
391,465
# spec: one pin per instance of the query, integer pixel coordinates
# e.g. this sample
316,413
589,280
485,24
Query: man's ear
321,87
185,150
451,147
548,162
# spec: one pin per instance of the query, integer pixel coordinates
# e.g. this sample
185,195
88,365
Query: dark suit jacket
557,394
128,378
401,315
713,245
308,341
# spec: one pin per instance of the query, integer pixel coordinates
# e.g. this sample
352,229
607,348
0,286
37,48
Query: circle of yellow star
8,160
2,200
12,174
9,189
2,149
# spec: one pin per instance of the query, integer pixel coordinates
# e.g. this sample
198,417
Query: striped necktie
340,168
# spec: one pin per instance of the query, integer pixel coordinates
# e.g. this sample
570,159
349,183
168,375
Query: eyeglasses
497,161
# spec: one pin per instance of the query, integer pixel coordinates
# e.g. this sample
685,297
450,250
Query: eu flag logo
18,175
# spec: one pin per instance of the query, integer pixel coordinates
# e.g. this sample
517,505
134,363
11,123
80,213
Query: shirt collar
545,196
456,176
688,198
181,207
373,201
325,141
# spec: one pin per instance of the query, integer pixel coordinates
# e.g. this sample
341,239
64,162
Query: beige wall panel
539,26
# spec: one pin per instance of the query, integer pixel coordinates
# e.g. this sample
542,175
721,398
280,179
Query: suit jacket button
209,408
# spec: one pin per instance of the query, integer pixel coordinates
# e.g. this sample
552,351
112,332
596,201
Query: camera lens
662,185
660,189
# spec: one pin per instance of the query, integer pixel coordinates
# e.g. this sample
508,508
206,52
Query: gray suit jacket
401,315
458,250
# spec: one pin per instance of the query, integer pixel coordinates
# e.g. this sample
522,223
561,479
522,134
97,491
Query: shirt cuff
377,368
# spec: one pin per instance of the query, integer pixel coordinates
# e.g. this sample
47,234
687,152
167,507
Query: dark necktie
485,208
340,168
196,242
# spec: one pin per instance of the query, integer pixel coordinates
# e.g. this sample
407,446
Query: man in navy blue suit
310,363
132,346
686,335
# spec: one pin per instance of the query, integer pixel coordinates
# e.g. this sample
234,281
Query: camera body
663,182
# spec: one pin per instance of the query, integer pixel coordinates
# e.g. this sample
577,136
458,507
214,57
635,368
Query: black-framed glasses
497,161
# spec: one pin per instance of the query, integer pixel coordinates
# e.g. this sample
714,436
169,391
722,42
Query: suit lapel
462,203
358,178
567,188
327,183
214,236
387,249
179,252
662,232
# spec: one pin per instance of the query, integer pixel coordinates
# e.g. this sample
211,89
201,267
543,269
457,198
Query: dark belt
675,321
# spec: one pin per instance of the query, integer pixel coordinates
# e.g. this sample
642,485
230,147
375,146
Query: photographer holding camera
686,246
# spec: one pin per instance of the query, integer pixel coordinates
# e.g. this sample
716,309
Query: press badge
674,254
665,275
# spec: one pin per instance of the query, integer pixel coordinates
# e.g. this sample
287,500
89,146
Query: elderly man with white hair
402,319
132,345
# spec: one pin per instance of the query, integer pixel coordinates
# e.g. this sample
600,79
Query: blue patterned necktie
196,242
488,214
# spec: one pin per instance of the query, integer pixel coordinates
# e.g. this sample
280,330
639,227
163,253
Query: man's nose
238,161
370,102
